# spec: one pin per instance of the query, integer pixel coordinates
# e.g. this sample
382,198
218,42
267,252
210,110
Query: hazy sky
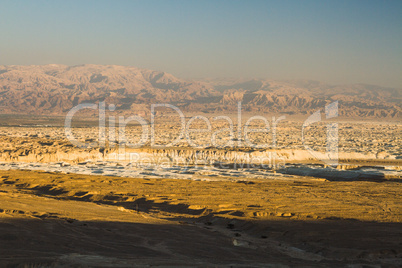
331,41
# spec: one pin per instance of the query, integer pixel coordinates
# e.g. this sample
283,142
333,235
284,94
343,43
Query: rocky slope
55,89
68,220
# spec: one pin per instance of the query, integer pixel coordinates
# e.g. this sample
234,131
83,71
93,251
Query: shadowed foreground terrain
81,220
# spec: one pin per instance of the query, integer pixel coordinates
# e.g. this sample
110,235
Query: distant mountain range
55,89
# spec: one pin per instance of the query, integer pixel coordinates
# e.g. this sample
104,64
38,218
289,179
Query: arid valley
280,206
214,133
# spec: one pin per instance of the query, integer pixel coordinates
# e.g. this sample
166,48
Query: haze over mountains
55,89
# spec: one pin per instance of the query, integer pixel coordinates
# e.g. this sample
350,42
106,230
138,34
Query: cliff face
55,89
42,150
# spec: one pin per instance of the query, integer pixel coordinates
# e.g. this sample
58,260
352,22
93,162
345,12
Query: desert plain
200,134
118,166
204,206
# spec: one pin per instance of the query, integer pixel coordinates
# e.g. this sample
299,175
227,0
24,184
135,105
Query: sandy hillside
58,219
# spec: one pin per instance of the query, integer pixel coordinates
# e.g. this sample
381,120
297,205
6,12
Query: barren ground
68,219
63,206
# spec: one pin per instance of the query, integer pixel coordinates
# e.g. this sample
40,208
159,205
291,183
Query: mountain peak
56,88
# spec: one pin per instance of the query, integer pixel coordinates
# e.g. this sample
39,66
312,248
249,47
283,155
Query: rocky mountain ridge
54,89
